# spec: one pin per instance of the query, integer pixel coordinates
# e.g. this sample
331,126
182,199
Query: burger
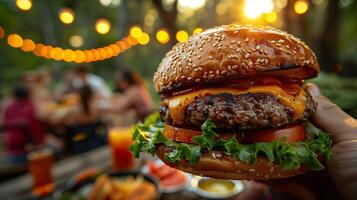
233,106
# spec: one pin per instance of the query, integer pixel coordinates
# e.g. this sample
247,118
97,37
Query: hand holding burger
233,106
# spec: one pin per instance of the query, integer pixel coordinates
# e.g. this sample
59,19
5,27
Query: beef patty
246,111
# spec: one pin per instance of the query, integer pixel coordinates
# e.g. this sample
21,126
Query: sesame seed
197,80
195,69
257,47
217,72
251,170
218,155
234,66
246,55
183,76
189,78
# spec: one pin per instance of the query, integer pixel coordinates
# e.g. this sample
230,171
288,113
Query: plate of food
171,179
117,185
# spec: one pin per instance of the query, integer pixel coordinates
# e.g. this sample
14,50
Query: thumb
330,118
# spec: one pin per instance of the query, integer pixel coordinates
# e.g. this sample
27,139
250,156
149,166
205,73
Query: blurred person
22,126
133,95
66,85
83,76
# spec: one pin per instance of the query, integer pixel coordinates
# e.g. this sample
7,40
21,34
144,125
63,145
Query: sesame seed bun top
230,52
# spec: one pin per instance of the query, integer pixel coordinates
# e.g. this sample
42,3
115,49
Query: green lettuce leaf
148,135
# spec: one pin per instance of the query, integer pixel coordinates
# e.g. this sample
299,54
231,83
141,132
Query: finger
330,118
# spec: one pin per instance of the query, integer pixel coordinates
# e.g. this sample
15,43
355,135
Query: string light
181,36
69,55
66,15
163,36
15,40
102,26
197,30
48,51
301,6
28,45
135,32
24,4
254,8
38,48
144,39
89,56
57,53
79,56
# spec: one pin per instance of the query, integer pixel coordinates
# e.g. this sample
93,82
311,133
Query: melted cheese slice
178,104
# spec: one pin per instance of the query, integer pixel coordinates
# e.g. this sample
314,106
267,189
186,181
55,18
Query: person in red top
22,126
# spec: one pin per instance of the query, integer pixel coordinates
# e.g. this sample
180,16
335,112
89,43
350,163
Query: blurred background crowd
70,106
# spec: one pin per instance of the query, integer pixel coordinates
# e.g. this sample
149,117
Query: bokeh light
28,45
197,30
89,56
69,55
79,56
102,26
76,41
48,51
144,39
254,8
271,17
181,36
105,2
163,36
301,6
191,4
15,40
38,49
57,53
115,48
135,32
24,4
66,15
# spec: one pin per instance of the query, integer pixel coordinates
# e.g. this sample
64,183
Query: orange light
271,17
122,45
80,56
48,51
115,48
197,30
103,53
163,36
38,49
24,4
2,32
15,40
66,15
96,54
109,51
102,26
69,55
43,51
144,39
301,6
89,56
181,36
28,45
135,32
57,53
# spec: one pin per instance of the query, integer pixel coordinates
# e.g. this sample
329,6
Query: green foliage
148,135
342,91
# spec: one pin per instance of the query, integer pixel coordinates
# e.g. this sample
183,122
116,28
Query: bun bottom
215,164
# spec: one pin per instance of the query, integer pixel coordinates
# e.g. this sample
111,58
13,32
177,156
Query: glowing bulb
96,54
301,6
109,51
48,51
122,45
76,41
144,39
271,17
38,49
115,48
197,30
89,56
102,26
254,8
15,40
135,32
181,36
28,45
24,4
105,2
195,4
2,32
69,55
66,15
131,41
162,36
57,53
80,56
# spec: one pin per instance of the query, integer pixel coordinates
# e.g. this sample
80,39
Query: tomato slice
270,81
180,134
291,133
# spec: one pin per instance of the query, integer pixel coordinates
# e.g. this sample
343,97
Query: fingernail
313,89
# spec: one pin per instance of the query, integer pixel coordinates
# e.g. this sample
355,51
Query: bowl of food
117,185
216,188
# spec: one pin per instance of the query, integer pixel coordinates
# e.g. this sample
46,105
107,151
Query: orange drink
40,167
119,141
